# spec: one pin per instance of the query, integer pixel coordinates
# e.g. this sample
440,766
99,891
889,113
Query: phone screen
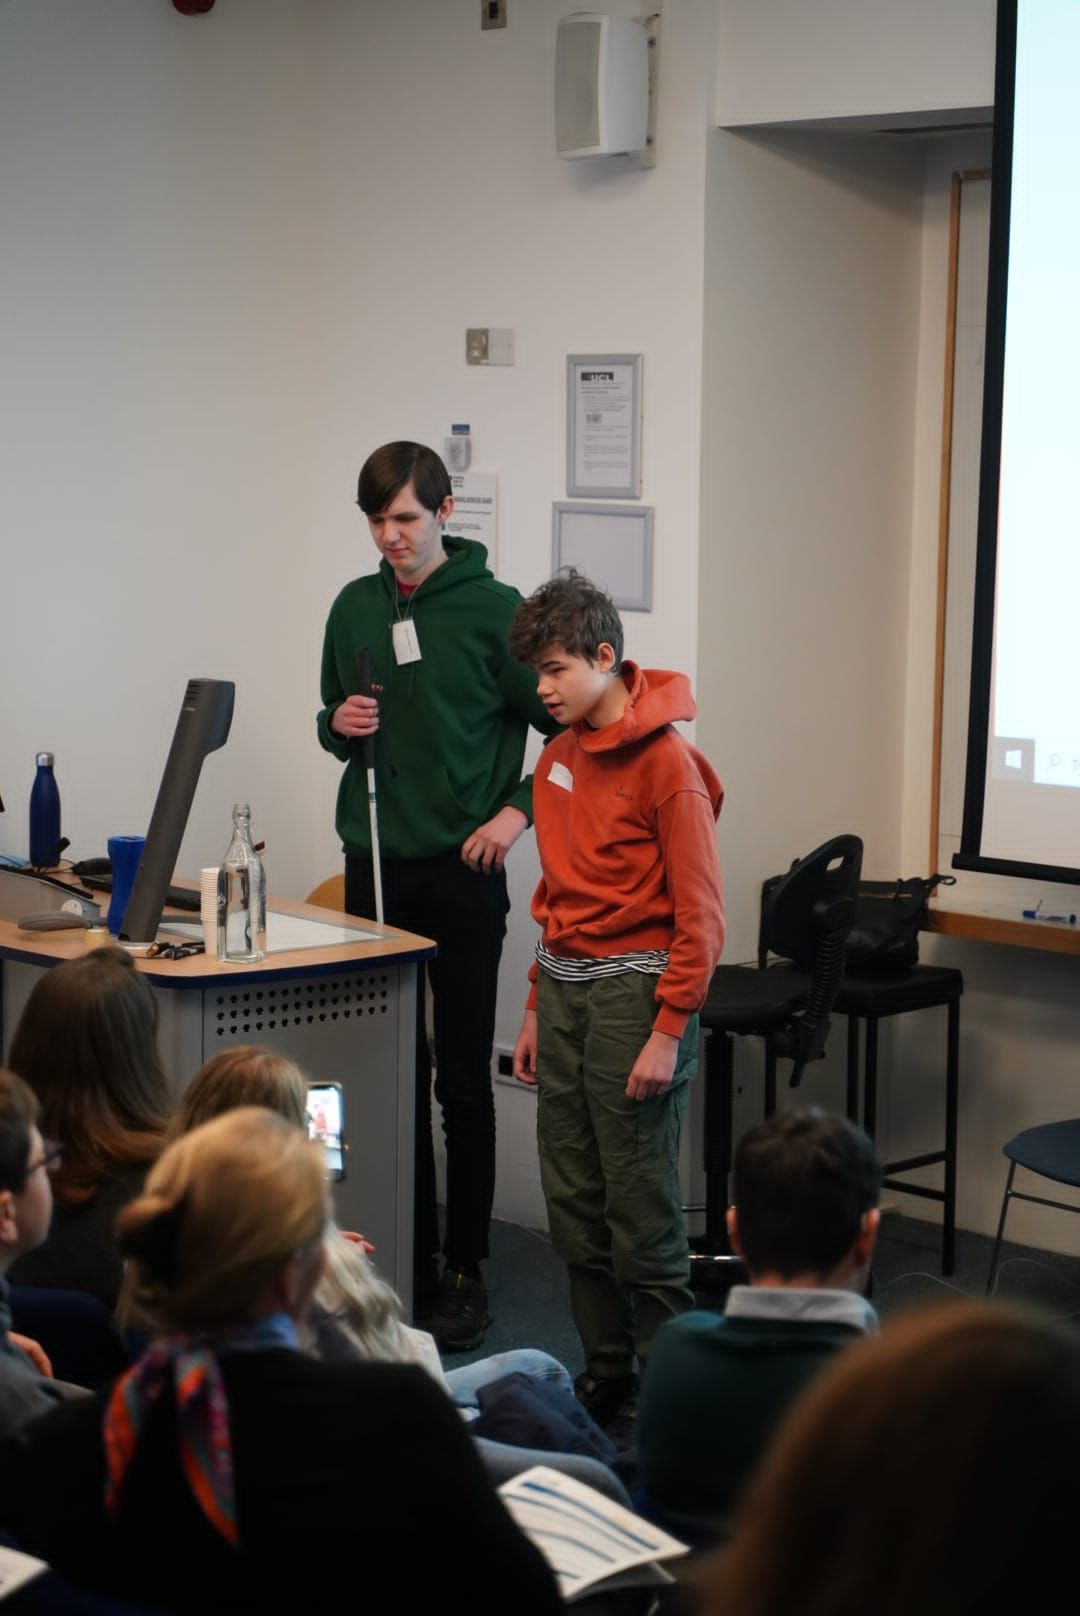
326,1123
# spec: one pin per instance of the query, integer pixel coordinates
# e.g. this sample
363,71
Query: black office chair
1052,1151
806,916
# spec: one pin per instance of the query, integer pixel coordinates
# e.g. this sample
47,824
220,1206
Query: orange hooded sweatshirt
625,822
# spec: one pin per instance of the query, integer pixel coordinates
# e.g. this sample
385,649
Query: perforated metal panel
247,1015
356,1029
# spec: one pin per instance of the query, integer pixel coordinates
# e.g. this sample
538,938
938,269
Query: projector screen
1022,788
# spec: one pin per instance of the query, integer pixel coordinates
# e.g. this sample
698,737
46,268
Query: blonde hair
247,1074
363,1307
223,1211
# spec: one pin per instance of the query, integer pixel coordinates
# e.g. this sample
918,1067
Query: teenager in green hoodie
449,714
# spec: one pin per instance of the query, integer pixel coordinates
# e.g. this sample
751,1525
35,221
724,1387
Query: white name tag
406,643
560,775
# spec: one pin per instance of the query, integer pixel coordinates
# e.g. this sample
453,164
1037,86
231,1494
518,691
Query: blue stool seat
1052,1150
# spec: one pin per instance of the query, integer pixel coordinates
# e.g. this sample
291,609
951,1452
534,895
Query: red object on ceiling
192,8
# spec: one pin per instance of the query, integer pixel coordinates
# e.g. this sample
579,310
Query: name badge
405,641
560,775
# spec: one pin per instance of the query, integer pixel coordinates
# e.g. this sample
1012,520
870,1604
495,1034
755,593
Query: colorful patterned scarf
202,1412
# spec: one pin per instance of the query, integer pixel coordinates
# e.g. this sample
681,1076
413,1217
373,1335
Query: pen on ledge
1056,920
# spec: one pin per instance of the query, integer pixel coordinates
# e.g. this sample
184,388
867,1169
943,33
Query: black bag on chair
888,918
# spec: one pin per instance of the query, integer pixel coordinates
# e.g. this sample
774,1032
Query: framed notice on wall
603,426
611,544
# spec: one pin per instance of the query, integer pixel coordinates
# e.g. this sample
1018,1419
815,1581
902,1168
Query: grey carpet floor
528,1297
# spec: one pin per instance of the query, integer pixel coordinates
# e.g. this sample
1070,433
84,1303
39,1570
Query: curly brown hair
569,612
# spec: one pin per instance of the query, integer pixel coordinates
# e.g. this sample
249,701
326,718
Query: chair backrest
806,917
819,890
329,894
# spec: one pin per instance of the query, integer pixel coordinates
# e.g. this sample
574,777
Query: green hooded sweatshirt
452,726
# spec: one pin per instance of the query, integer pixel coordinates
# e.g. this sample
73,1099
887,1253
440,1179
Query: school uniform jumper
625,823
717,1390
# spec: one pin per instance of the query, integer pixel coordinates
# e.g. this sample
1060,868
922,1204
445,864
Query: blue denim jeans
465,1383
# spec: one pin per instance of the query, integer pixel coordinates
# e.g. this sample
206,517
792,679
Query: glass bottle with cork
241,896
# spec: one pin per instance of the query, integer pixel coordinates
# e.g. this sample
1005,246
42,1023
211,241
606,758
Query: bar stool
806,916
869,998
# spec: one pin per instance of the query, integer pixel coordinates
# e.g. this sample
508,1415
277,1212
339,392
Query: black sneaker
610,1399
461,1315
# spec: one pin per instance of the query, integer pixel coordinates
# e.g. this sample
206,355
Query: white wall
812,270
811,337
1020,1016
247,249
156,412
783,61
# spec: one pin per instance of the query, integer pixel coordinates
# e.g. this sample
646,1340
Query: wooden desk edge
390,944
1040,934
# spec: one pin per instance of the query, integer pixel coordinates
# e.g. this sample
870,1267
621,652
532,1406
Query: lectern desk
345,1011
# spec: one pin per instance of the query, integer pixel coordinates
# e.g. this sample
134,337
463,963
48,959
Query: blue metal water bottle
44,815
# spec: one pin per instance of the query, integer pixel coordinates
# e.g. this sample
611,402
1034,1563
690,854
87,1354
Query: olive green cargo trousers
609,1164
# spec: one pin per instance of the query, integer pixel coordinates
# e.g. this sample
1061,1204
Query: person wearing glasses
25,1212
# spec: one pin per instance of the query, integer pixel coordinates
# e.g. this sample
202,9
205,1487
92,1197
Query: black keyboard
175,897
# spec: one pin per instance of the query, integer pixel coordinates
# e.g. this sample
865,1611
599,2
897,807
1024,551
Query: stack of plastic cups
208,882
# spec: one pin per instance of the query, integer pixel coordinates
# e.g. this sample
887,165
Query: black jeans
465,913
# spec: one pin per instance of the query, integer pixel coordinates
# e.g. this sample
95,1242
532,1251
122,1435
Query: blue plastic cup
124,854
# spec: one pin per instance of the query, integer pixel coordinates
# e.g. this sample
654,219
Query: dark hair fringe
386,472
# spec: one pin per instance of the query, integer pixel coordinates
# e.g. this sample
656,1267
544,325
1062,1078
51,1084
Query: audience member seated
356,1314
229,1470
86,1043
25,1210
931,1470
804,1221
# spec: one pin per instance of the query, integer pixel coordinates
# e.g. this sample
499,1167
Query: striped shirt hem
647,961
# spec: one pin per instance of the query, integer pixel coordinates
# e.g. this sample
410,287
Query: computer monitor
203,726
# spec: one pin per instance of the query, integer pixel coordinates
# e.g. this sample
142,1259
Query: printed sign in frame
603,426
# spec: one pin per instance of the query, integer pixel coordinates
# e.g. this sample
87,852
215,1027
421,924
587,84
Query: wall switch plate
476,345
500,346
492,345
493,13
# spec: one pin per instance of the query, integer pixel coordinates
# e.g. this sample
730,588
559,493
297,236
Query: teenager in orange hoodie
632,915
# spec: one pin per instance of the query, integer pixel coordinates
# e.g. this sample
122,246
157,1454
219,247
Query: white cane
367,758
